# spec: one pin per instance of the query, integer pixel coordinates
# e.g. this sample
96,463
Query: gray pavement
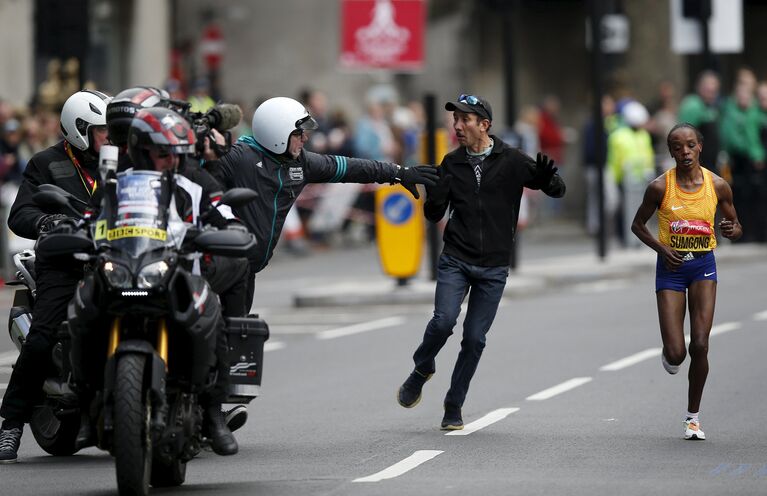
555,255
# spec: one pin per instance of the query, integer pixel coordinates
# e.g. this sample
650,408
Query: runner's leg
671,312
702,299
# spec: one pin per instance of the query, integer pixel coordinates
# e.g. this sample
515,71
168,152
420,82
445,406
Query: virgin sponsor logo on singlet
689,234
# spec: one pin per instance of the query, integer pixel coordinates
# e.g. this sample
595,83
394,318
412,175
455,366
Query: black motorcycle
141,331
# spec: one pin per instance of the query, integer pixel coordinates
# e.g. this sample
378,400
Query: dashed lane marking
8,358
361,327
725,327
761,315
488,419
401,467
559,389
631,360
273,346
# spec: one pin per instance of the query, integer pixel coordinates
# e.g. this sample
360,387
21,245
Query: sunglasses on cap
470,100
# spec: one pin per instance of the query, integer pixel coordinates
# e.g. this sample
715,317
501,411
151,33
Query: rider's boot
221,438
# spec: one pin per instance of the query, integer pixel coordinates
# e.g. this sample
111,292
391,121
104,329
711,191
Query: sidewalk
555,257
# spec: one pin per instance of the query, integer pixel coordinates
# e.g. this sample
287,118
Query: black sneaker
410,392
10,439
236,417
452,421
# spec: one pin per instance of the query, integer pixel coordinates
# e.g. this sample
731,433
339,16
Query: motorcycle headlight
151,275
118,276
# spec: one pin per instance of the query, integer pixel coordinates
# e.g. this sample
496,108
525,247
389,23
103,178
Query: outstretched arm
730,226
653,197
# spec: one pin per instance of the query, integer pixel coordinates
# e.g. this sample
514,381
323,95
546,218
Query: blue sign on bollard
397,208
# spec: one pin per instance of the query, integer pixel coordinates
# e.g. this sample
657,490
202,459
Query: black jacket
482,221
50,166
278,182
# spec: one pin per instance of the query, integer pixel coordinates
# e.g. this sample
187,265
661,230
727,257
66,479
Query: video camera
222,117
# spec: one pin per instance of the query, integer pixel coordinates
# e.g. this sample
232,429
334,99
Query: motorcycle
141,330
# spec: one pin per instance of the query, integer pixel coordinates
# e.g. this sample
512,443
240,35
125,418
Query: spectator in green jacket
740,127
701,109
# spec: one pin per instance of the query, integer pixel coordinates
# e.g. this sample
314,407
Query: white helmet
635,114
275,119
81,111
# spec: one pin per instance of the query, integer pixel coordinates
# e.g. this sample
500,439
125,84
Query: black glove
47,223
420,174
439,192
544,171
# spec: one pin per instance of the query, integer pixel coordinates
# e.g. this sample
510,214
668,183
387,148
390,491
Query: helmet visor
306,123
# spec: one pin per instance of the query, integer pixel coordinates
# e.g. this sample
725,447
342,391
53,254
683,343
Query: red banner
382,34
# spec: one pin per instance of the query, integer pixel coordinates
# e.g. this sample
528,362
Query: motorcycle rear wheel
132,446
56,436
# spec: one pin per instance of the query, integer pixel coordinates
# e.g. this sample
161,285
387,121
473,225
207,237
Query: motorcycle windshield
138,218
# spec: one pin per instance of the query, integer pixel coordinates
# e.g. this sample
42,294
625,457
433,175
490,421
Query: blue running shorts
702,268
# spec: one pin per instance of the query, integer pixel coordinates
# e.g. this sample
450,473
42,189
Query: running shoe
692,430
452,421
409,393
10,439
236,417
671,369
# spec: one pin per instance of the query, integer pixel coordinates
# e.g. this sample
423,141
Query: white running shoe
692,430
671,369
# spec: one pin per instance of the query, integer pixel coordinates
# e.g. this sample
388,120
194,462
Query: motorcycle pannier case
246,337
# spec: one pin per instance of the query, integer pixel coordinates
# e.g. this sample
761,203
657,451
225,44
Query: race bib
690,235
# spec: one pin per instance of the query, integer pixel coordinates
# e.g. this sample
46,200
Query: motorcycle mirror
237,197
53,202
52,188
227,243
58,244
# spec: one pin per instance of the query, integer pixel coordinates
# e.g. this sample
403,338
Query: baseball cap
471,104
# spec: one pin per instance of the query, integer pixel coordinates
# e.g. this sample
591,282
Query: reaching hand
420,174
544,170
439,192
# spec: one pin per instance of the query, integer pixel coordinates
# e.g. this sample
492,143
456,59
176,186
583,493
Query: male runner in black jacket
481,185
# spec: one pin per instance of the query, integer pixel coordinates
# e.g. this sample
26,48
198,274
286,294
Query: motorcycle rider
160,139
227,276
274,163
71,164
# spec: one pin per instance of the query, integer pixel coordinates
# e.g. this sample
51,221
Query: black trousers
228,278
55,288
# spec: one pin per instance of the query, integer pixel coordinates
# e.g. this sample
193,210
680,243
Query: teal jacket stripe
341,166
251,142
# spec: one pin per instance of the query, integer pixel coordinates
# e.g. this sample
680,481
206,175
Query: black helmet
124,106
161,130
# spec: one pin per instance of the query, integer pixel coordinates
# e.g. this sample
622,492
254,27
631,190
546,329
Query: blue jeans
454,279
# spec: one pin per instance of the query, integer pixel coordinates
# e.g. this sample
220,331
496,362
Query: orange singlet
686,219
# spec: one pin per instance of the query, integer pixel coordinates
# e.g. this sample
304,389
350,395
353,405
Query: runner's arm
730,226
650,203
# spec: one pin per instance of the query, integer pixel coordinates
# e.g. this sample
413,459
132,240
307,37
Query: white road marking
273,345
488,419
361,327
402,467
761,315
631,360
8,358
559,389
725,327
3,385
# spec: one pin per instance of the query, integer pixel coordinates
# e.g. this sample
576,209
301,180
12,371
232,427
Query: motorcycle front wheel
55,435
132,446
